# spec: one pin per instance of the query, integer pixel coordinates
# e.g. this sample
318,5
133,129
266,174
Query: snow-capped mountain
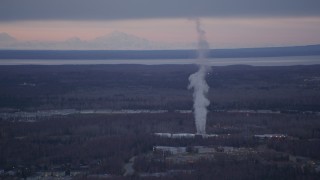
113,41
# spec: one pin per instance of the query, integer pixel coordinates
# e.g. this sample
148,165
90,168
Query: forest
32,88
245,101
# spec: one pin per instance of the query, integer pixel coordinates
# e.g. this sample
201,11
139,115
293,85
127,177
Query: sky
155,24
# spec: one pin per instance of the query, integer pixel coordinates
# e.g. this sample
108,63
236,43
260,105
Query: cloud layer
17,10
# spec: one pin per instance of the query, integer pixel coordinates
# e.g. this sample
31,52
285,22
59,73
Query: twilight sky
161,24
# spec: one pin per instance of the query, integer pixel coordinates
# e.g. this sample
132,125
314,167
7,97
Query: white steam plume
198,82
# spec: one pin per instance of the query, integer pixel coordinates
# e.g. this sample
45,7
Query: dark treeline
160,54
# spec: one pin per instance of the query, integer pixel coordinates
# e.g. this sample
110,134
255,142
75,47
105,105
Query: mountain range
113,41
119,45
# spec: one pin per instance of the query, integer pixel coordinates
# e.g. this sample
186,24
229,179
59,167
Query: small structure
270,136
166,135
209,135
185,135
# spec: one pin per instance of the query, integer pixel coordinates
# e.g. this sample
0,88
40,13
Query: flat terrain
31,88
98,121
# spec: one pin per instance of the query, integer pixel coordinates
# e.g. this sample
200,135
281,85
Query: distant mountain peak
74,39
115,40
5,37
120,36
121,40
118,33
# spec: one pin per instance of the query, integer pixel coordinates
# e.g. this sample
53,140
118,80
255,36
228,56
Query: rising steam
198,82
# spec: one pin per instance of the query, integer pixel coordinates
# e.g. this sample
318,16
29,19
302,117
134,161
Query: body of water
253,61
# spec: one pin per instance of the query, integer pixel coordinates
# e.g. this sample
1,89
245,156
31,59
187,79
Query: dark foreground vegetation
246,101
102,144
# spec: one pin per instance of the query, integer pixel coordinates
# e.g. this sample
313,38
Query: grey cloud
16,10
